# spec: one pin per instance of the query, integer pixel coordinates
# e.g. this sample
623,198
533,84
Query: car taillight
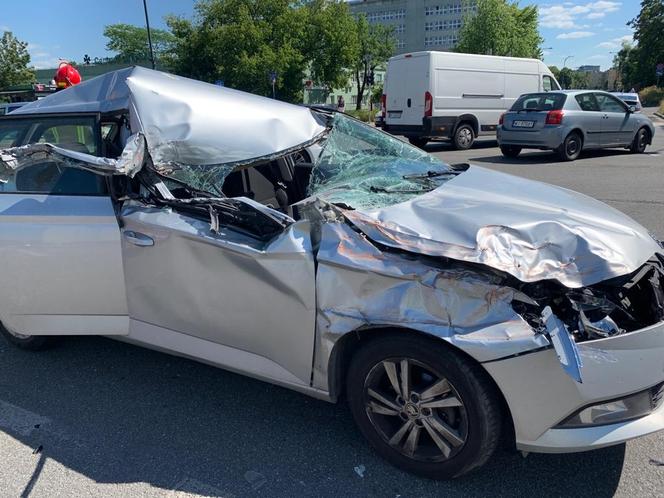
428,105
554,117
383,104
501,119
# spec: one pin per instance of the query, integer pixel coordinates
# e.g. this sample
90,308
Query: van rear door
407,81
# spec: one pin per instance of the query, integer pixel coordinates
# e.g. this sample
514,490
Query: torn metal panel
528,229
563,343
188,122
128,164
358,286
227,287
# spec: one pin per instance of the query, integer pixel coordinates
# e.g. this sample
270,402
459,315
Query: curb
659,115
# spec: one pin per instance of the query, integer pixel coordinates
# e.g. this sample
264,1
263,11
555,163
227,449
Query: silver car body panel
612,368
277,309
63,258
528,229
224,287
188,122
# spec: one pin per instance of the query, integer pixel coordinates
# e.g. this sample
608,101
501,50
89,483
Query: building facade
418,24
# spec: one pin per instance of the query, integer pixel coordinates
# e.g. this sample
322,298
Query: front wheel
571,147
418,141
640,141
510,150
422,407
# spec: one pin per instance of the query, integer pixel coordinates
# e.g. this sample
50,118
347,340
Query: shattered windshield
365,168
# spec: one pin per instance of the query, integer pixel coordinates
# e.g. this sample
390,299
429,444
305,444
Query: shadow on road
116,413
548,157
433,147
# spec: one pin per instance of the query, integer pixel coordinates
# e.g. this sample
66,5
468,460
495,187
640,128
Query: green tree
14,60
376,44
626,64
555,71
648,28
130,43
329,48
565,77
501,28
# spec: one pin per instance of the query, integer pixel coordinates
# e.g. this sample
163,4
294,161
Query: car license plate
523,124
394,114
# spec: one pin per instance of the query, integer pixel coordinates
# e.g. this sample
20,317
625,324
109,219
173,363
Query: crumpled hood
526,228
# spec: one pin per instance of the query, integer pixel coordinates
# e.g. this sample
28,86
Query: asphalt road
95,417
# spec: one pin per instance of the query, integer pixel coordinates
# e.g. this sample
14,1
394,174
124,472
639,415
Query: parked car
570,121
452,306
9,107
456,97
379,119
631,99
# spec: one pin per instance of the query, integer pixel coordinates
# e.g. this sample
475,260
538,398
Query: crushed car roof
189,122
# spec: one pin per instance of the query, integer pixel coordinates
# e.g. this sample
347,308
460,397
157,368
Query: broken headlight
621,410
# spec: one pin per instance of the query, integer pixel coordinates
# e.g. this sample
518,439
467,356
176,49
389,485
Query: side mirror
631,109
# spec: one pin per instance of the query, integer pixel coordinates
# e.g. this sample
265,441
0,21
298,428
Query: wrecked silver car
452,306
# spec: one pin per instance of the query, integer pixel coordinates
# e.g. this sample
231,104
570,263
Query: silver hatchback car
451,305
569,121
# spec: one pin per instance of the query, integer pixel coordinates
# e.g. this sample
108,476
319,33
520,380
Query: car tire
571,147
467,431
418,141
28,342
510,150
464,137
640,141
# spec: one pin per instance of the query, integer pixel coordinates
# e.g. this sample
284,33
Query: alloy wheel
417,411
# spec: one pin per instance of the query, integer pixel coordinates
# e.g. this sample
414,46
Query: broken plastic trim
563,343
128,164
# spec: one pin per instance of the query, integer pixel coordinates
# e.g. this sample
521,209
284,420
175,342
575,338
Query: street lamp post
147,25
565,59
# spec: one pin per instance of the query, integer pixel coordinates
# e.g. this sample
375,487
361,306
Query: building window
386,15
401,44
400,28
443,10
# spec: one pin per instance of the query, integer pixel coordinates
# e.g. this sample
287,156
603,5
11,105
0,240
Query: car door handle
138,239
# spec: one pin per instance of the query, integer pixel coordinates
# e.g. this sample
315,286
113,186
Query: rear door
408,80
59,237
617,128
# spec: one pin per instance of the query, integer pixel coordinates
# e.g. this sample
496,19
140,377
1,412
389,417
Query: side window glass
547,84
587,102
607,103
72,133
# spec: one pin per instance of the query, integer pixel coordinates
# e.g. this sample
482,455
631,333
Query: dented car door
249,299
59,236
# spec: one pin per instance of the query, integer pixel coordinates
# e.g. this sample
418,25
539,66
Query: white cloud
616,42
573,35
566,15
4,28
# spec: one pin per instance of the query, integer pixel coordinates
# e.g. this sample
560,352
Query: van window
548,83
539,102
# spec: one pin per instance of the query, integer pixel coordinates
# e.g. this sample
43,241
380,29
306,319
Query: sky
588,31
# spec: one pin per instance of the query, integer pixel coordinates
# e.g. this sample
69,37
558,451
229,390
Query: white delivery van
447,95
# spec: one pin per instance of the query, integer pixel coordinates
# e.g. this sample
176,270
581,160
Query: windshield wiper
428,174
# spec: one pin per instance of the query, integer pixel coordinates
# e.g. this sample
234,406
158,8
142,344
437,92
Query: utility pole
147,25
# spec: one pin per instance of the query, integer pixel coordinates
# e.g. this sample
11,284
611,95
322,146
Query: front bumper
541,395
548,137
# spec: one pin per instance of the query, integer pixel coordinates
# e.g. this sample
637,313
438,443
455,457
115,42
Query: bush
363,114
661,107
651,96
